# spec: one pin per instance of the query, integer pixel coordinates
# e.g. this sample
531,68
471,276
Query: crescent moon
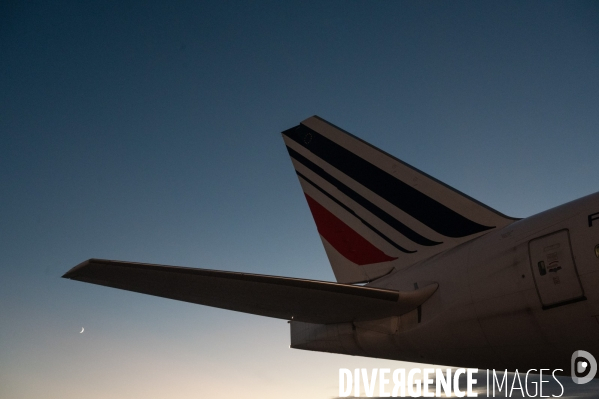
82,329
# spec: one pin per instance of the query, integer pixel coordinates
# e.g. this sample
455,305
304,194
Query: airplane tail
374,212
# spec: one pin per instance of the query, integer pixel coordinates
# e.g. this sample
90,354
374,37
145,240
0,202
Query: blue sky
151,133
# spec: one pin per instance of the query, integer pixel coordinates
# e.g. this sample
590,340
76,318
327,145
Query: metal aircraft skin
449,281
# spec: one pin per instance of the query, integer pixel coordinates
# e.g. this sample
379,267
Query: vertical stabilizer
374,212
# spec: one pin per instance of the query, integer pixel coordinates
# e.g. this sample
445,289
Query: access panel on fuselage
554,269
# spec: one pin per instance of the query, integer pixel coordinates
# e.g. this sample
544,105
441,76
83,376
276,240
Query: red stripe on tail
343,238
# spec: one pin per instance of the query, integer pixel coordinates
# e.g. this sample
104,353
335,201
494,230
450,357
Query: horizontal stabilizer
280,297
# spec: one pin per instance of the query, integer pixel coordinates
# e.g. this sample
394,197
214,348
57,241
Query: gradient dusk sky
150,132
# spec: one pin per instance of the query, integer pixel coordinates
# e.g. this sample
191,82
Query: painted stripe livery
349,243
425,209
384,216
354,214
374,209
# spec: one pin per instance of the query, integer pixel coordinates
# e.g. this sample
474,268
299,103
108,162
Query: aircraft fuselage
521,297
